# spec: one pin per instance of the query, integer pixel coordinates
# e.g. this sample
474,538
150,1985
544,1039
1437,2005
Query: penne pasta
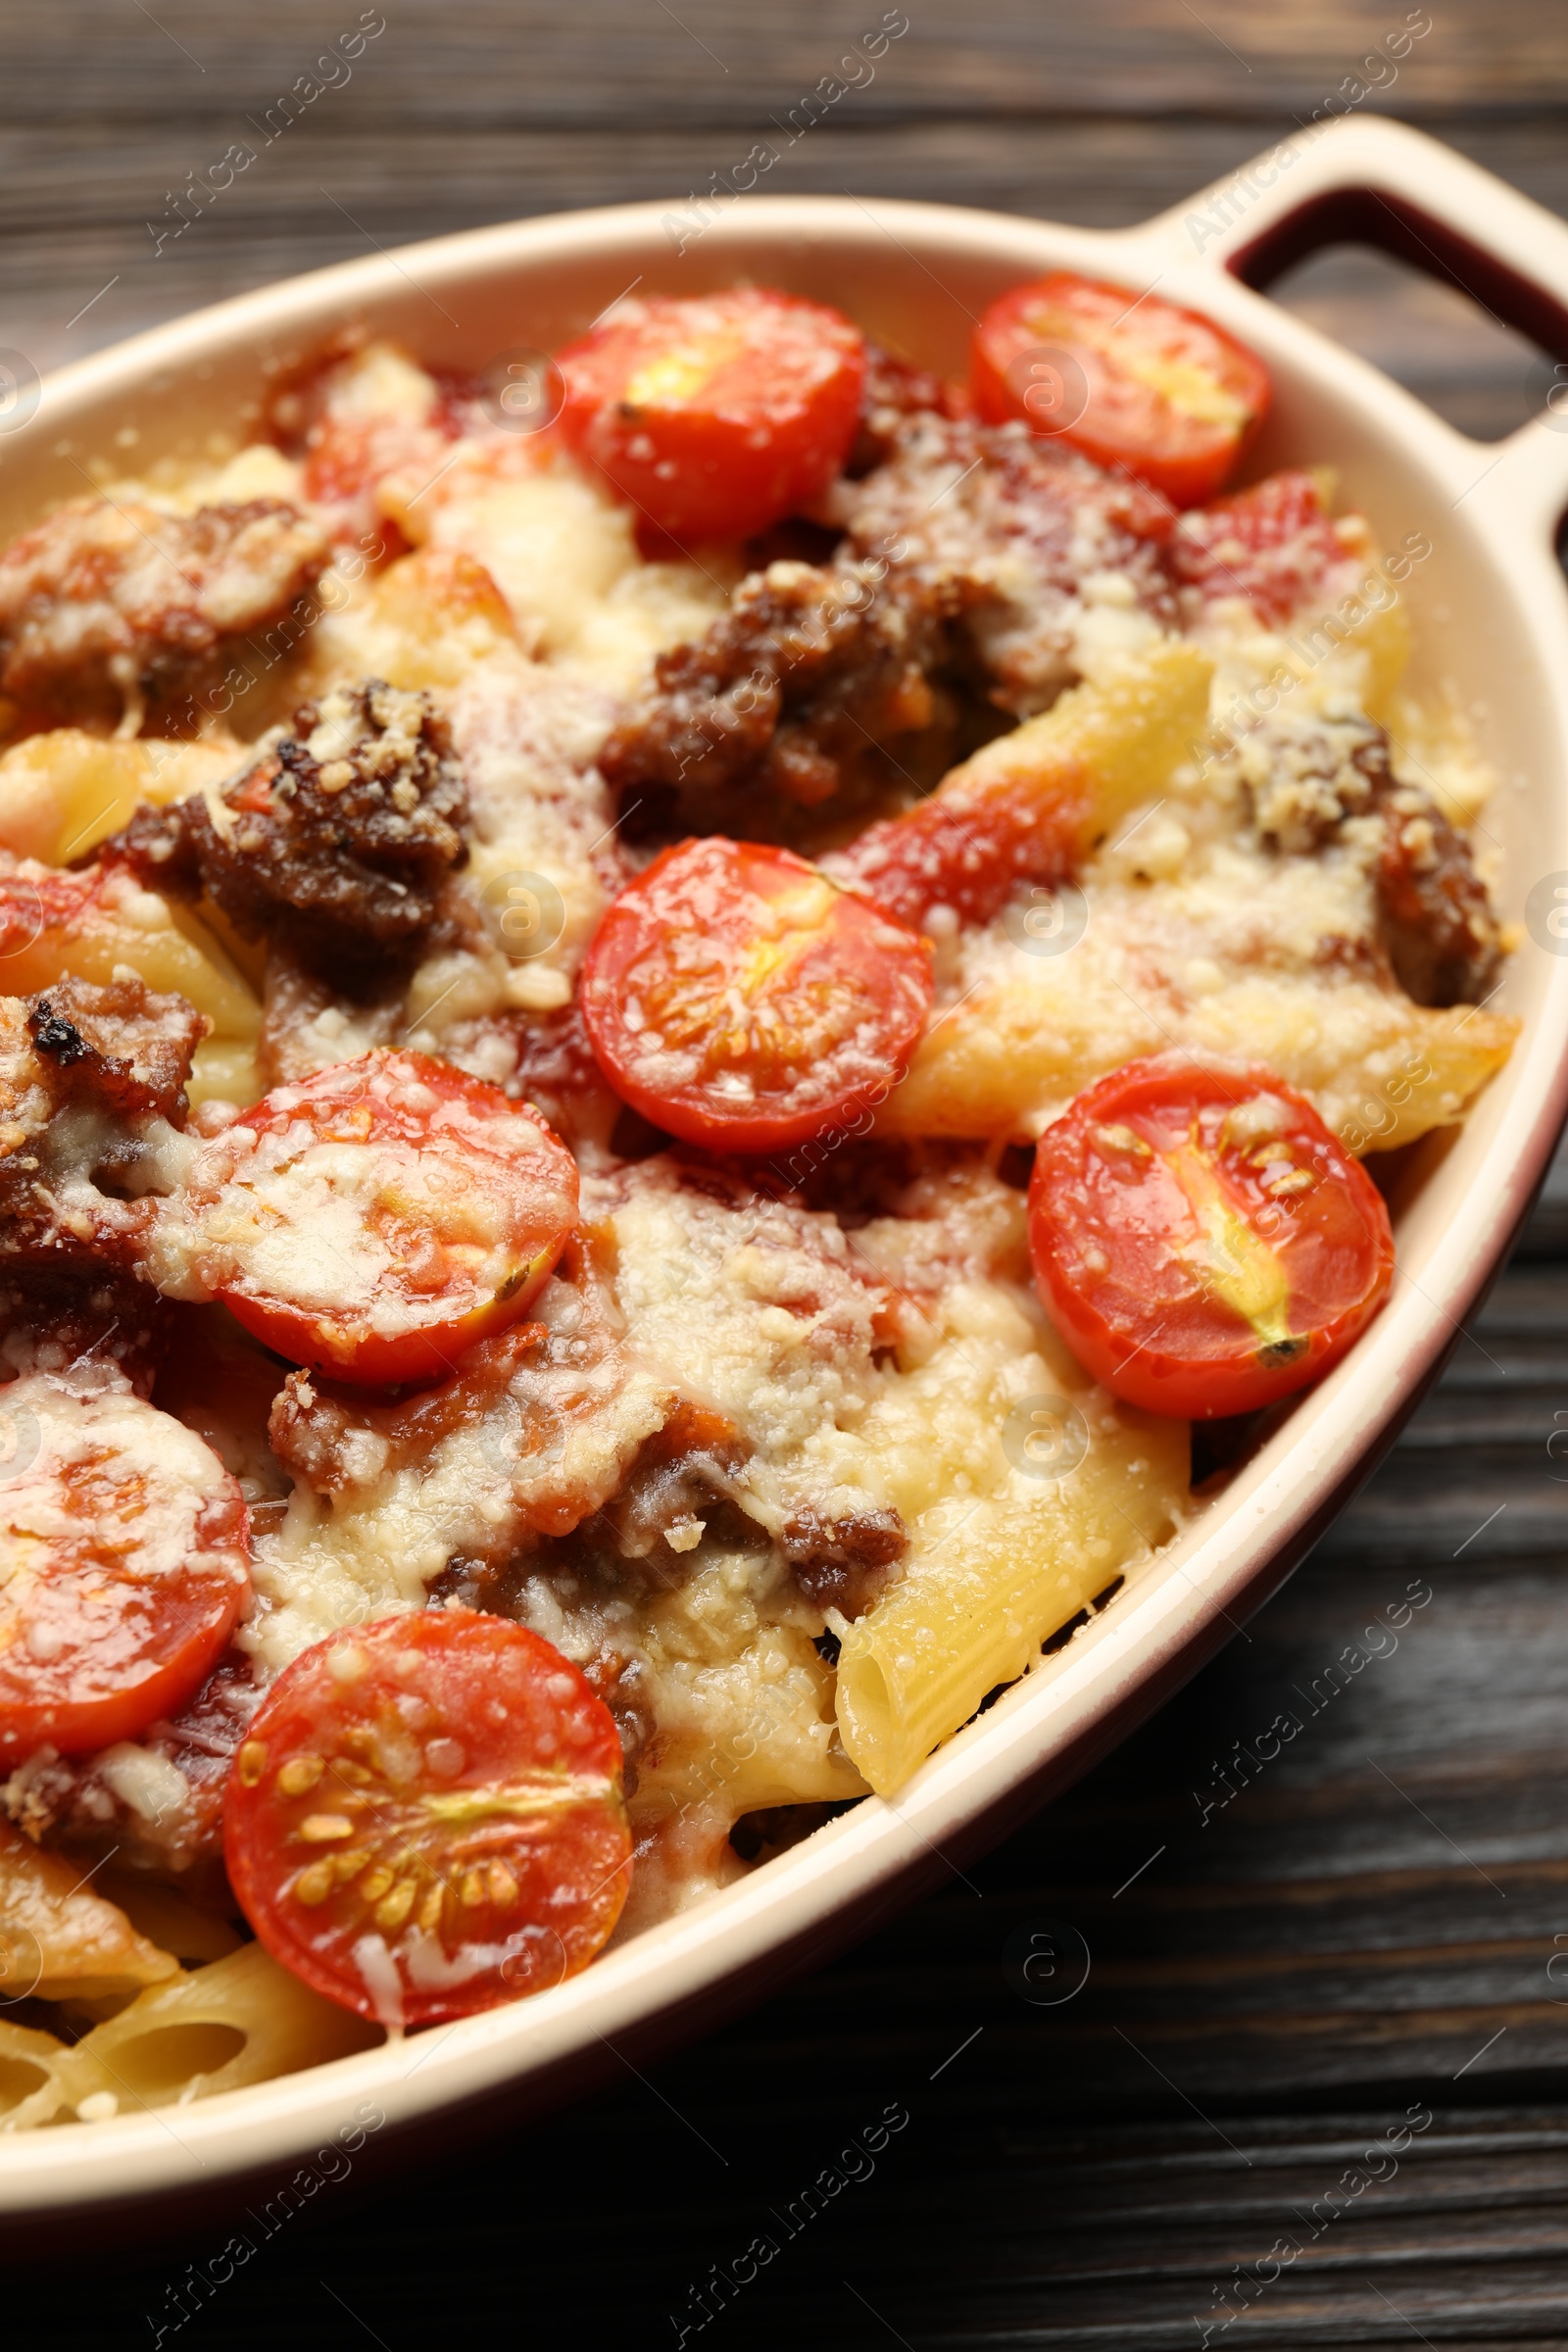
1096,755
170,1917
92,923
991,1580
1380,1070
239,2020
64,792
37,2078
1179,932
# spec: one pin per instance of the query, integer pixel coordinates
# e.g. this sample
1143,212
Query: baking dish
1491,623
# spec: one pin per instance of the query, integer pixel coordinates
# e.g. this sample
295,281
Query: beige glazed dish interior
1492,626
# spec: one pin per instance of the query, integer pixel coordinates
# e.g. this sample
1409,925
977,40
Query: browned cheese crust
118,1048
105,600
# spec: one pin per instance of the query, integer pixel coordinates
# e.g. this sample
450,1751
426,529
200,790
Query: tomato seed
398,1904
320,1828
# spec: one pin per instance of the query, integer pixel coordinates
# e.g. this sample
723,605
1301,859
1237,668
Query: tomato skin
465,1202
446,1784
970,848
112,1620
716,415
1203,1240
1271,544
1146,388
780,1004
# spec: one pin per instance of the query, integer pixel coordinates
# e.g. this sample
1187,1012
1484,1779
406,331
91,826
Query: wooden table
1318,2073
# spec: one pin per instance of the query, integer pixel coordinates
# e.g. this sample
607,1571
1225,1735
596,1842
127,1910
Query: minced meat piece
1005,531
811,667
1434,916
308,1024
677,1493
623,1684
678,1487
318,1428
963,574
106,600
1435,923
1306,774
67,1800
91,1082
335,843
119,1048
845,1563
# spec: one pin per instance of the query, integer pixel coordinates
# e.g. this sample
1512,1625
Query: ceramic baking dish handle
1367,180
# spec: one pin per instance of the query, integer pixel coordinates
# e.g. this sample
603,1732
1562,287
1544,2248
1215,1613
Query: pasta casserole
691,1036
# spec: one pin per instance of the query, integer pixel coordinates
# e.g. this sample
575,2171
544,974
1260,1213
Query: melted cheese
148,1480
864,1370
564,554
550,1450
1190,932
757,1311
860,1371
327,1225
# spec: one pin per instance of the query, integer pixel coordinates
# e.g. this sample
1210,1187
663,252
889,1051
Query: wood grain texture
488,61
1285,1953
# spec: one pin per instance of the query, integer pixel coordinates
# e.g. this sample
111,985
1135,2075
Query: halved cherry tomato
1271,545
375,1219
738,998
1205,1243
426,1818
125,1564
718,415
1133,382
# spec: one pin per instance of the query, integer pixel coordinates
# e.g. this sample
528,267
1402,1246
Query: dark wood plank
520,61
